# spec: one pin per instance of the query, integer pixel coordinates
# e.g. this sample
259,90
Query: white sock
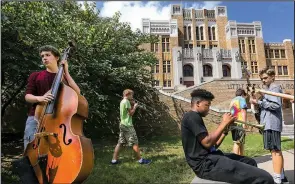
277,178
140,160
114,161
282,174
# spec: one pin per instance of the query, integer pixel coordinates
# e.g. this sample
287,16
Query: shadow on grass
286,140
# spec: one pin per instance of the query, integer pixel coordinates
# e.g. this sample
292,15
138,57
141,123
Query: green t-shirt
126,119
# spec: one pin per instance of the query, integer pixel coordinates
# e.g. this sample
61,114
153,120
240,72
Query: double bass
60,153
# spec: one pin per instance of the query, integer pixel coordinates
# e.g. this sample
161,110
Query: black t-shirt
195,153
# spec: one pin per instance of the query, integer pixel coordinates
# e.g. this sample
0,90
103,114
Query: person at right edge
271,117
200,147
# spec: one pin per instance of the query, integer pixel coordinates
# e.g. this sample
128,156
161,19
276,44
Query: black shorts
238,136
272,140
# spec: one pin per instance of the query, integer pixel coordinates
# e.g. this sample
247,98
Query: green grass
168,166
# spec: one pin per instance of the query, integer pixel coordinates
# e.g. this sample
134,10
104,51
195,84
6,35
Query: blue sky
277,17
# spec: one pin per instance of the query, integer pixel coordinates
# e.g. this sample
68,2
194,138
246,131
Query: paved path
265,163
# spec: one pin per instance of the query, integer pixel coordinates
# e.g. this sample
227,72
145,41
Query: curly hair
201,94
49,48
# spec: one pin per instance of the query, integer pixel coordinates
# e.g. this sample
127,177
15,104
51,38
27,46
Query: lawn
168,164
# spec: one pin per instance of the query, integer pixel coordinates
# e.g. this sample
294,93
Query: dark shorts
272,140
238,136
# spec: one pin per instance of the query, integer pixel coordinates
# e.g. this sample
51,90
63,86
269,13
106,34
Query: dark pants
234,168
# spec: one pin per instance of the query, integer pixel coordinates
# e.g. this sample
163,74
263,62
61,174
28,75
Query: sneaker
285,180
115,163
145,161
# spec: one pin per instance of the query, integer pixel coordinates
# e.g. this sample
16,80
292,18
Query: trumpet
258,126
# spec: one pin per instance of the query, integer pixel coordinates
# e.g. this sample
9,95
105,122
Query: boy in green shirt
127,131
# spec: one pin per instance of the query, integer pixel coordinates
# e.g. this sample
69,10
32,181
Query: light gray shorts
30,130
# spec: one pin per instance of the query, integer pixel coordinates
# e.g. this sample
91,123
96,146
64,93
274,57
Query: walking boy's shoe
115,162
144,161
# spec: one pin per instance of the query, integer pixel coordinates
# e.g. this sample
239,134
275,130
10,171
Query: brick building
199,45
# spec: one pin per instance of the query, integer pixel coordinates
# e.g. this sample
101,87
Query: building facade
199,45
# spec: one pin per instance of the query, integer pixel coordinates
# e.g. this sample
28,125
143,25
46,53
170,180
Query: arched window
207,71
188,71
226,71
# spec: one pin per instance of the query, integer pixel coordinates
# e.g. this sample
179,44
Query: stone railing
225,53
199,14
207,53
210,13
188,53
187,14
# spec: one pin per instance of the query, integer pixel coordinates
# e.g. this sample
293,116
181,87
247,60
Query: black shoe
285,180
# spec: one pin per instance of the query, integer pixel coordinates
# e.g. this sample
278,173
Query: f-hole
64,134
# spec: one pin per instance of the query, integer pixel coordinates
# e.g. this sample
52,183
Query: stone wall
224,91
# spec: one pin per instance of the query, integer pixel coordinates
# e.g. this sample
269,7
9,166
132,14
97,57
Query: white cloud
134,11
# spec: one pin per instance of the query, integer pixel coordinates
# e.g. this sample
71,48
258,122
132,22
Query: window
156,82
157,67
266,53
154,47
198,46
226,71
254,67
203,46
282,70
189,33
202,33
166,67
277,54
167,83
165,45
251,44
283,55
210,46
271,53
188,71
213,33
242,46
185,32
188,46
214,45
209,33
207,71
285,70
244,64
197,33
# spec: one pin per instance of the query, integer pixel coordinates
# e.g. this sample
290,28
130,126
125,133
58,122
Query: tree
107,59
